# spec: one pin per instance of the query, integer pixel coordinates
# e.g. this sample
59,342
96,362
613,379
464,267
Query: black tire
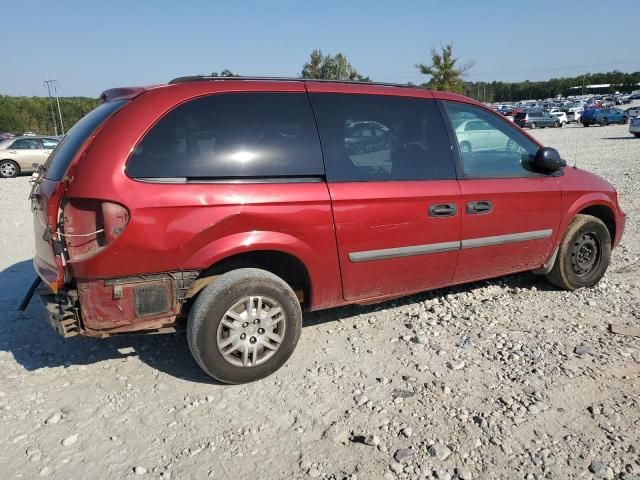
623,121
637,135
465,147
585,124
556,124
210,309
603,122
9,169
572,268
533,125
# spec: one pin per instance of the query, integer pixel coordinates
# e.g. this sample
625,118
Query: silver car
24,154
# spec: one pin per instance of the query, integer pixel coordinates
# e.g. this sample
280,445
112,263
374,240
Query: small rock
403,455
70,440
583,349
440,451
388,476
372,440
601,470
46,471
361,399
53,418
126,350
314,472
407,432
209,398
420,340
441,474
139,470
396,467
456,364
464,473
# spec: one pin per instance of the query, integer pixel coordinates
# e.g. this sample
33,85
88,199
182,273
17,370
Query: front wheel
623,121
244,325
556,124
584,254
465,147
585,124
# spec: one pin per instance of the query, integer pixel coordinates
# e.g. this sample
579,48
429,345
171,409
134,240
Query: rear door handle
481,206
443,210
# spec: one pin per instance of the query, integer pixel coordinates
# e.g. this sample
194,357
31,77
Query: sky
90,46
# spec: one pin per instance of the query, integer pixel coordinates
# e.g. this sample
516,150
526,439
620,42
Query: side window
26,144
501,152
49,143
406,139
232,135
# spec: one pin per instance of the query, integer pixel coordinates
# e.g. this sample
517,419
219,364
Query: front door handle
443,210
481,206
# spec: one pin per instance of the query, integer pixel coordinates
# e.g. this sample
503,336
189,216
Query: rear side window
26,144
232,135
382,138
61,157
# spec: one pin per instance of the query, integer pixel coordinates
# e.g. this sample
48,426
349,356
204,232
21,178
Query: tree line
444,72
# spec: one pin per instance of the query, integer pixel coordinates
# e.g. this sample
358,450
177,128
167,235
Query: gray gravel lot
508,378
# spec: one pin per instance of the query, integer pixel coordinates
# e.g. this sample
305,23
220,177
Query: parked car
230,206
535,119
562,116
633,111
28,134
4,136
24,154
603,116
634,126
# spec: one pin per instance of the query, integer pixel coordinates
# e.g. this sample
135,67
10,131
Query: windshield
61,157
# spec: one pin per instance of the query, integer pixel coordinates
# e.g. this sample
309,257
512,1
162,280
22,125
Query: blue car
603,116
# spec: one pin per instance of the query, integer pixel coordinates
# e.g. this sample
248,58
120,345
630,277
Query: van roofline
202,78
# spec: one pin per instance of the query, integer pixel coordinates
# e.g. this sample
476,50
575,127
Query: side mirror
548,160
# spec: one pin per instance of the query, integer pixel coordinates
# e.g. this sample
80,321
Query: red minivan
231,205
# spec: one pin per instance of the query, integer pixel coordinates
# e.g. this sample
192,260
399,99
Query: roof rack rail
202,78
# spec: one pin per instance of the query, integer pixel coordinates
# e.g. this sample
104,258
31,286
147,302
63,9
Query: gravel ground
508,378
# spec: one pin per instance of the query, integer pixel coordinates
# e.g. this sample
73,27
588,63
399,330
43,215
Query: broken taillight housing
89,225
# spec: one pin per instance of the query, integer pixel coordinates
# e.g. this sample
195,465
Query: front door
510,213
395,200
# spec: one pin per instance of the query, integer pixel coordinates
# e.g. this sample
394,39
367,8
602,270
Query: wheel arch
596,204
282,264
279,253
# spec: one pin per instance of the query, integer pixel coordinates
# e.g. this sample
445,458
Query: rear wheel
585,124
9,169
603,122
623,121
583,256
533,125
556,124
244,326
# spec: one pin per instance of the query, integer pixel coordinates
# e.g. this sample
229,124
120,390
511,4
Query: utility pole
53,115
54,84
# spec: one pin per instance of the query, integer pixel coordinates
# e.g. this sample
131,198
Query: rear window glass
520,115
368,138
61,157
232,135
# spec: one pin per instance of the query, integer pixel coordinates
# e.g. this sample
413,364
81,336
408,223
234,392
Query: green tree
224,73
330,67
445,71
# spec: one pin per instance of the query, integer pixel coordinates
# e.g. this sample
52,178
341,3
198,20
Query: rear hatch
48,190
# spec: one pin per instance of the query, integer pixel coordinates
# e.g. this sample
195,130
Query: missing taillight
88,225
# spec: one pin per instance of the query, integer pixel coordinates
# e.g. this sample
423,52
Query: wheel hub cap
251,331
7,169
586,254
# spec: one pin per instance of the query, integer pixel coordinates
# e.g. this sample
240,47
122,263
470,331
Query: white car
562,116
633,111
634,126
24,154
477,135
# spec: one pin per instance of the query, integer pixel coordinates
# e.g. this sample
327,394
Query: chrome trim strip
403,251
502,239
387,253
